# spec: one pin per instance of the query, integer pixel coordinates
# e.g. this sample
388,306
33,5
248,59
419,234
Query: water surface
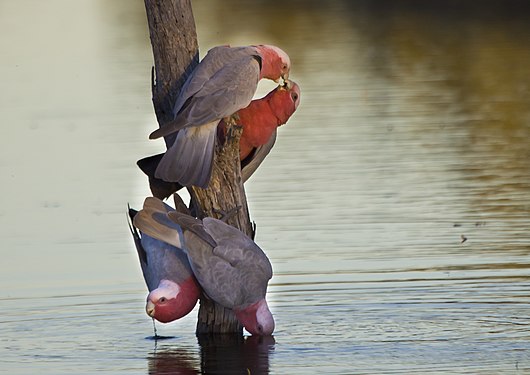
394,207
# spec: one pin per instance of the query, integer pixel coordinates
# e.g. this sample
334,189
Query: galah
231,269
259,120
173,289
222,83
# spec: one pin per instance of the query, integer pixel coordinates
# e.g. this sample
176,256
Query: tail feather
159,188
189,160
148,165
180,206
169,128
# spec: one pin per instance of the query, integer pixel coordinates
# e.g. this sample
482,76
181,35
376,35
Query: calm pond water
394,208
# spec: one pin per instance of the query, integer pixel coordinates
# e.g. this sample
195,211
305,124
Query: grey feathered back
230,267
211,63
224,82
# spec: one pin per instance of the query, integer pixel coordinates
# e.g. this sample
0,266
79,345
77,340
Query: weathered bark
224,196
175,50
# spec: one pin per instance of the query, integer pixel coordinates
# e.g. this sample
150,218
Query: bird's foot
226,215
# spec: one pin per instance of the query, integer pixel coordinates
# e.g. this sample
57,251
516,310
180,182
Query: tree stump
175,50
224,196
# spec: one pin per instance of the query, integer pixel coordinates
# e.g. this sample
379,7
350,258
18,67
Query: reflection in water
234,354
172,362
219,354
413,130
478,92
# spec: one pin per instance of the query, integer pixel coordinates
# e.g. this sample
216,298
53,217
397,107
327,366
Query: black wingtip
149,164
131,212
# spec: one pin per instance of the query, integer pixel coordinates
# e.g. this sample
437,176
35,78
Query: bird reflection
219,354
173,361
234,354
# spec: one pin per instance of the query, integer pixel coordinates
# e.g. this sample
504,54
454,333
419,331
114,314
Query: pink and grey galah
260,120
222,83
173,289
231,269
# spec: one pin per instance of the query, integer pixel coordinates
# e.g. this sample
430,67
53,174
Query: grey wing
210,64
165,262
226,92
253,285
153,221
189,161
236,248
155,205
217,277
234,278
226,283
192,224
158,259
253,161
204,71
180,206
229,90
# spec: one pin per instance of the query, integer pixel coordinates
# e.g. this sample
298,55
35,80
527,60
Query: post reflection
219,354
234,354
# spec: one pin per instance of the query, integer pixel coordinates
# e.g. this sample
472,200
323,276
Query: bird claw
226,215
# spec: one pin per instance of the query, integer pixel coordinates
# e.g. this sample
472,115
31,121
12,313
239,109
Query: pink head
256,318
284,100
275,63
171,301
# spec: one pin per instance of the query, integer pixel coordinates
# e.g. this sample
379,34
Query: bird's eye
162,299
260,328
284,67
294,96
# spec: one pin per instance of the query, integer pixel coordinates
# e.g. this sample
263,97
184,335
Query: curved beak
150,309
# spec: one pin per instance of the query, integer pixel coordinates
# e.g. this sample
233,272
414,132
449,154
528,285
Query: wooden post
175,50
224,194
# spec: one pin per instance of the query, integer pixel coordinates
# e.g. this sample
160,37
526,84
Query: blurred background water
394,207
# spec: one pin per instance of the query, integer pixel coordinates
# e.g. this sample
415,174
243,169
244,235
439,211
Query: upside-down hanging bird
222,83
173,289
259,120
231,269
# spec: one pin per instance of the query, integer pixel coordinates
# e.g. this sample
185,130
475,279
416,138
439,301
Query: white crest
284,56
167,288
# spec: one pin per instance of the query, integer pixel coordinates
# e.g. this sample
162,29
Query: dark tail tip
159,188
149,164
